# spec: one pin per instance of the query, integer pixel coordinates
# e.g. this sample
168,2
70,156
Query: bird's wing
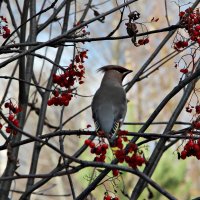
109,109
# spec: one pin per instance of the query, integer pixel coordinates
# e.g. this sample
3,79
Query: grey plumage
109,104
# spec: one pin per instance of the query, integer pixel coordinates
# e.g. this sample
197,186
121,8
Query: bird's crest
113,67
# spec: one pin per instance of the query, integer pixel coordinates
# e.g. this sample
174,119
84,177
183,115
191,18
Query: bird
109,104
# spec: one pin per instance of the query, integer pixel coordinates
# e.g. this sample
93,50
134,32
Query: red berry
140,161
81,66
8,130
146,40
127,159
66,103
103,151
188,109
14,109
115,172
11,117
185,43
93,150
133,147
141,42
193,38
56,93
77,58
183,154
119,140
184,71
197,28
181,14
92,145
56,79
120,155
87,142
125,139
186,147
49,102
104,146
192,16
88,126
98,150
102,158
195,33
7,105
97,159
178,45
196,20
190,143
122,132
120,146
197,125
108,197
196,148
18,109
16,123
197,109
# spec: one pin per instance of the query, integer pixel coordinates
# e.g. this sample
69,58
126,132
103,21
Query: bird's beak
128,72
125,73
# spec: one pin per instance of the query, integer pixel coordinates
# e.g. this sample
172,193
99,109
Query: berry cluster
108,197
74,73
131,28
13,111
192,148
98,149
196,124
133,158
180,44
62,98
143,41
196,116
4,30
190,20
190,108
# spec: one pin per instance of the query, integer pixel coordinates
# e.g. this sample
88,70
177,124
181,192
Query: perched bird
109,104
